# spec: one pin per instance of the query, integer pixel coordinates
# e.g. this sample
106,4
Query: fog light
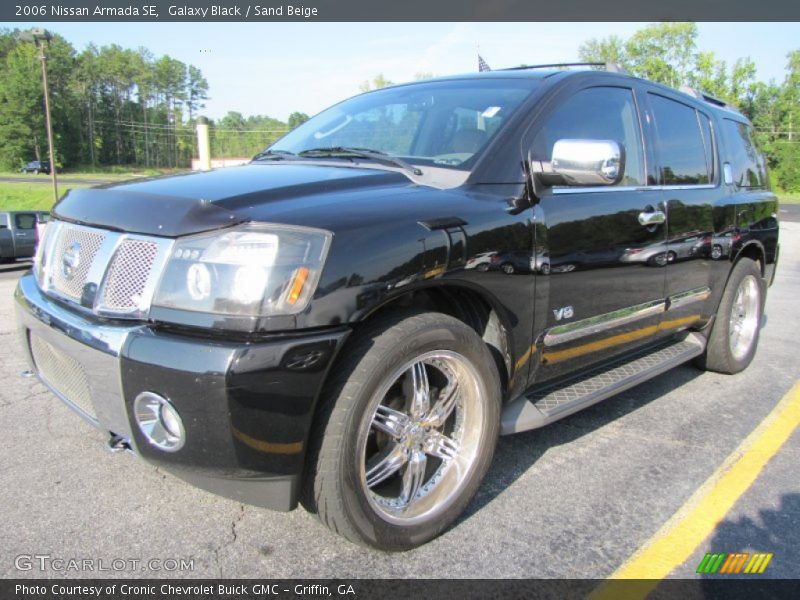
159,421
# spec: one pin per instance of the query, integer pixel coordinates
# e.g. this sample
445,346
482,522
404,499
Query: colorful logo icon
735,562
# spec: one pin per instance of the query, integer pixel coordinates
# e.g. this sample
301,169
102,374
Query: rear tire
386,467
734,335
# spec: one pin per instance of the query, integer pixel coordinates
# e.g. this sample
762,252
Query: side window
601,113
746,162
680,151
25,221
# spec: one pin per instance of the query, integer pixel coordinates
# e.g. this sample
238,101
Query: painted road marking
683,533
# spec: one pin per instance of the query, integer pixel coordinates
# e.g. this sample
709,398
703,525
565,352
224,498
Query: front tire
734,335
405,433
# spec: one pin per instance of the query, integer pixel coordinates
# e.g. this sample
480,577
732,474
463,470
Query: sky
277,68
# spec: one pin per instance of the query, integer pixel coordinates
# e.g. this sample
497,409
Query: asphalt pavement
789,212
573,500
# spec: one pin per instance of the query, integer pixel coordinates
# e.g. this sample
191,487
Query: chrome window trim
698,186
630,188
594,189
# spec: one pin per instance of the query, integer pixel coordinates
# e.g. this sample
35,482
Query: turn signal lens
298,282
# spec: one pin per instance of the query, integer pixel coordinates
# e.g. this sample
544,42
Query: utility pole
40,37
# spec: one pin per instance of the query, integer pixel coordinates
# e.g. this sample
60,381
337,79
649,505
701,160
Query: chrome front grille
63,374
105,272
69,279
128,275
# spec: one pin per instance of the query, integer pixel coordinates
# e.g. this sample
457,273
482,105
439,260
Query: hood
202,201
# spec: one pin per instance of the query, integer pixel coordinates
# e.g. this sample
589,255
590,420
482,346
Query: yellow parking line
680,536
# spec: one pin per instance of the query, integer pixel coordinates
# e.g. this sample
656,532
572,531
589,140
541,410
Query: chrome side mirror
588,162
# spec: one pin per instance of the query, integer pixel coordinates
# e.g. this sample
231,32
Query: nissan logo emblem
71,260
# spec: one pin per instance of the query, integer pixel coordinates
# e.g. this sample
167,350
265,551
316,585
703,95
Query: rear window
681,148
746,162
25,221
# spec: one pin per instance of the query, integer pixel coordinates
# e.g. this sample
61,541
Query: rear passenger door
687,167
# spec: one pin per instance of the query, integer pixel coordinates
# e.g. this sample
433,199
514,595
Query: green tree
378,82
787,144
297,118
610,49
196,90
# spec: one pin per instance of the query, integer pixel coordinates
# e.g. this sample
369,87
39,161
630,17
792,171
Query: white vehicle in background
480,262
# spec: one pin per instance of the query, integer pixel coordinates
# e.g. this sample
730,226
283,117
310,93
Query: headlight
255,270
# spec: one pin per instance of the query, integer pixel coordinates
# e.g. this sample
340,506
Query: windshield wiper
375,155
273,154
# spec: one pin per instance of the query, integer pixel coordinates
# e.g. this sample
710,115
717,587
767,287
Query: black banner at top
396,10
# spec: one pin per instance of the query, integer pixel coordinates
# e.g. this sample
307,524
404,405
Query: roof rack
706,97
609,66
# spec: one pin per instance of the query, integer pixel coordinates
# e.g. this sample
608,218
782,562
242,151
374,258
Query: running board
541,407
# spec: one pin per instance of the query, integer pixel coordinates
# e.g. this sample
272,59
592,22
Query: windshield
438,123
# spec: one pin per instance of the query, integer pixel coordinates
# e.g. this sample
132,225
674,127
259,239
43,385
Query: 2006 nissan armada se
351,320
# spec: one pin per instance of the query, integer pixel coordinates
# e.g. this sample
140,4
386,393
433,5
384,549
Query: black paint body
248,412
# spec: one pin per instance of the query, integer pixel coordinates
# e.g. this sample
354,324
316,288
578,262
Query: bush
787,171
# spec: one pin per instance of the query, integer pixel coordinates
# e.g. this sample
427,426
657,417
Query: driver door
606,283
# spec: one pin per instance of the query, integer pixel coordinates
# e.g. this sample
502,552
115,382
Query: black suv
305,328
36,167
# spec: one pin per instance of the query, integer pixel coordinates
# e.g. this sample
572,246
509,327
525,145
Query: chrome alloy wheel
422,437
745,317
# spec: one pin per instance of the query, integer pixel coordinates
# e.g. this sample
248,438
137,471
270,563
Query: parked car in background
36,167
661,253
18,234
481,262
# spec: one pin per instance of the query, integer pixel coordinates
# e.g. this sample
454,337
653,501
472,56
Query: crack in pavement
234,537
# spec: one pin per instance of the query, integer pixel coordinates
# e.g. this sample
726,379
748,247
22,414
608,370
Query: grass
107,173
787,198
39,196
30,196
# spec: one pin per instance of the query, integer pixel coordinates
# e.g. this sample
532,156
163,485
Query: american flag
482,64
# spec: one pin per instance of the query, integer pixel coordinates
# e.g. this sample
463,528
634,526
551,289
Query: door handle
656,217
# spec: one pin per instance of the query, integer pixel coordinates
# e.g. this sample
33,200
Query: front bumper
247,407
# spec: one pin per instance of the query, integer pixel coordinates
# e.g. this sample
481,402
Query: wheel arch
754,250
477,309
